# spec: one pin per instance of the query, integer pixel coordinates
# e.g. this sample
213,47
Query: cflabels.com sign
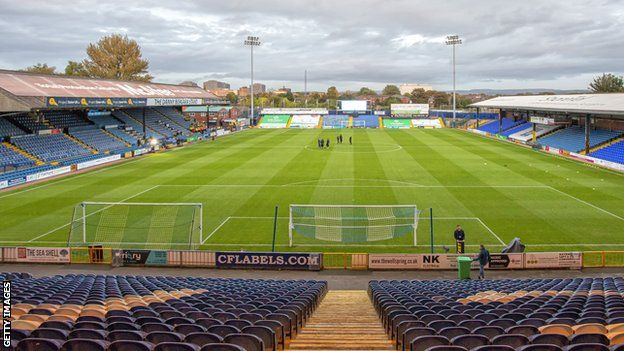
269,260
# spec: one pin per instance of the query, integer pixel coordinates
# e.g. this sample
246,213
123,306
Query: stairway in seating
345,320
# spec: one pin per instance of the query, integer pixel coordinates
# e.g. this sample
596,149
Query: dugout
23,93
589,111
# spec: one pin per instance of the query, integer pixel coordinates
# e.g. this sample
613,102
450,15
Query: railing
603,259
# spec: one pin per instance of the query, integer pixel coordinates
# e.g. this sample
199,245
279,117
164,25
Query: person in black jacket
459,236
483,259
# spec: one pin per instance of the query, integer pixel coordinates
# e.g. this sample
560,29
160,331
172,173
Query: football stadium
137,214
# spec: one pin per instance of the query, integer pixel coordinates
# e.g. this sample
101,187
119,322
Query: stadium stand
158,122
174,115
135,124
613,152
494,126
10,157
102,119
123,135
96,138
8,129
567,314
335,121
50,147
517,129
65,119
573,138
305,121
96,312
540,130
30,123
366,121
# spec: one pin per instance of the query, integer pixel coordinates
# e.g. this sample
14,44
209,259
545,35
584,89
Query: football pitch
497,191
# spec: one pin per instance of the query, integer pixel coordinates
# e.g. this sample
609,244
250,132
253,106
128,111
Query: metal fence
603,259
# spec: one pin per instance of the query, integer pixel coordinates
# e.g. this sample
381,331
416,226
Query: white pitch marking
215,230
350,179
100,210
356,186
586,203
491,231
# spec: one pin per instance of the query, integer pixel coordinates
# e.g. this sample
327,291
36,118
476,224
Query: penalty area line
215,230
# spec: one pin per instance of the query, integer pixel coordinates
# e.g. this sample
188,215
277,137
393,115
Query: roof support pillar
500,120
587,130
477,117
144,131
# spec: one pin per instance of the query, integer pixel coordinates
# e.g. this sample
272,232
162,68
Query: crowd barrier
304,260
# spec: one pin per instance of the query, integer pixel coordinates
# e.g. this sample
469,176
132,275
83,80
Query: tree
367,91
391,90
41,68
391,100
74,68
607,83
332,93
289,96
440,99
116,57
420,96
232,98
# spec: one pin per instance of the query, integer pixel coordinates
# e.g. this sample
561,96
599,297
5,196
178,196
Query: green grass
493,189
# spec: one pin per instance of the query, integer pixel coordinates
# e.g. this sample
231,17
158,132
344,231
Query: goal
137,225
352,224
359,123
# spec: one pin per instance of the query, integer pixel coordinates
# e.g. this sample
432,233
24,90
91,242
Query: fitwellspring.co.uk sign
269,260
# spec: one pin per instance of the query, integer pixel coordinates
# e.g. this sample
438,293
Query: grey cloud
507,43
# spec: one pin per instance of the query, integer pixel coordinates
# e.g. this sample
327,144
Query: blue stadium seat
514,323
507,123
65,119
97,139
8,129
50,147
10,157
573,138
613,153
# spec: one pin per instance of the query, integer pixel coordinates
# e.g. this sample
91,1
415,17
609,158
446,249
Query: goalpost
352,223
142,225
359,123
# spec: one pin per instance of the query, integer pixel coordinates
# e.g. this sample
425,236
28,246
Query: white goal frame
83,206
360,124
291,225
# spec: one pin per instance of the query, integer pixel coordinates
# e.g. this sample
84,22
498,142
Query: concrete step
345,320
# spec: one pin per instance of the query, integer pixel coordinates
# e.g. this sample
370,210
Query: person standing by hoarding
483,259
459,236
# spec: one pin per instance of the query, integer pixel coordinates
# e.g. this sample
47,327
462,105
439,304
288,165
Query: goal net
352,224
359,123
137,225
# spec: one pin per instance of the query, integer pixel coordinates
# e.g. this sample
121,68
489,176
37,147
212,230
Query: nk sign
268,260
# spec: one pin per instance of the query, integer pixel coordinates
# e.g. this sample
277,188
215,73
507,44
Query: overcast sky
349,44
